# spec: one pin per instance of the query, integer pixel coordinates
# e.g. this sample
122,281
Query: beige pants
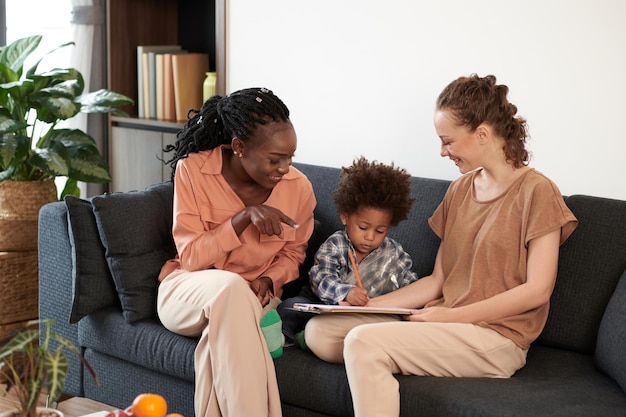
374,347
234,372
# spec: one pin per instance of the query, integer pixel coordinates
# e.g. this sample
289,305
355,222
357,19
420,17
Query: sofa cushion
590,266
147,344
554,382
92,285
611,345
136,230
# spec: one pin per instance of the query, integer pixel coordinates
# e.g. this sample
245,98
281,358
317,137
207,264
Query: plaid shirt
330,272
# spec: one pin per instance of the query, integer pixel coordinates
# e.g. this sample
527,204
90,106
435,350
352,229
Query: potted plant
34,149
29,363
32,146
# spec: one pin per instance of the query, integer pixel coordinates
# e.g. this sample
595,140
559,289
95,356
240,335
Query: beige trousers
234,372
374,347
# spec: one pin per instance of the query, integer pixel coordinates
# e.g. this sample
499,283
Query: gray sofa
99,258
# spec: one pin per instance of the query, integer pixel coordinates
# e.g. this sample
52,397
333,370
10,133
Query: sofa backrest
591,262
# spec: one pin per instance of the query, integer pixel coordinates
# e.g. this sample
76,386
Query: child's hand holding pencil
357,296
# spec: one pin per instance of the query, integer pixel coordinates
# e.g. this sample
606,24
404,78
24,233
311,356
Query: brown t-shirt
485,245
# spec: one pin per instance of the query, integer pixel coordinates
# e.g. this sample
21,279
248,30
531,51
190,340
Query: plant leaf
20,343
55,366
34,387
88,166
13,148
70,188
52,160
9,125
103,101
71,137
7,75
50,79
19,90
14,55
53,109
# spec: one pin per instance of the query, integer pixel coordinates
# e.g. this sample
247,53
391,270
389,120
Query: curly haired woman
501,224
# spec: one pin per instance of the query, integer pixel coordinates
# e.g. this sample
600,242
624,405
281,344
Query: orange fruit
174,415
149,405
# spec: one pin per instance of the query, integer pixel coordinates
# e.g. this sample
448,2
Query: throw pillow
136,230
611,343
92,285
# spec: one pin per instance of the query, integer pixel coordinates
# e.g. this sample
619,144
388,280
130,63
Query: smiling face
457,142
268,152
367,228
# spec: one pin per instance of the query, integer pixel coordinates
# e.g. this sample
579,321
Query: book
169,105
159,69
145,81
152,85
326,308
142,84
189,71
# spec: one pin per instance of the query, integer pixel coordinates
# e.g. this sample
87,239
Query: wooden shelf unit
135,145
196,25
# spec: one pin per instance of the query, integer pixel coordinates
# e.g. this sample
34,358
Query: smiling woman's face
268,152
457,142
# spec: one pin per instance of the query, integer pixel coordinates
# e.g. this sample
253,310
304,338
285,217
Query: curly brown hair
376,185
474,100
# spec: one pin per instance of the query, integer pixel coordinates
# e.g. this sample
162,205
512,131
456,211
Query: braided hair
223,118
474,100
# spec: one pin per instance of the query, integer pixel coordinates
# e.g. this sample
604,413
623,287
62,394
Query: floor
7,399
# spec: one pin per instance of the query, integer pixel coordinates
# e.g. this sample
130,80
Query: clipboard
331,309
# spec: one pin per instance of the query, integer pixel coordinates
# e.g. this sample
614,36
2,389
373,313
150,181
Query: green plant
28,364
32,104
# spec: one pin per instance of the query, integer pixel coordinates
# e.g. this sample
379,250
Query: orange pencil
356,270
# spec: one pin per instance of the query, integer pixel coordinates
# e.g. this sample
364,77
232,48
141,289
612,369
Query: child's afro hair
376,185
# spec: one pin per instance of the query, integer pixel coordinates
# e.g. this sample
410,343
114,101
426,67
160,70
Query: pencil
356,270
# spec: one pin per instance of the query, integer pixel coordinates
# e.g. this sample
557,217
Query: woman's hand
268,220
357,296
434,314
263,288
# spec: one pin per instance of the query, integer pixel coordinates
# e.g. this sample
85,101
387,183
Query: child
360,261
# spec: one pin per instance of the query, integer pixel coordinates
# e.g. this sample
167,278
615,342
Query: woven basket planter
19,286
20,202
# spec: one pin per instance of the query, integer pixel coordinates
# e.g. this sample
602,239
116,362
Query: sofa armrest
55,283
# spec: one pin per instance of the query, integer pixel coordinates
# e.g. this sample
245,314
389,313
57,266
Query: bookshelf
136,152
135,145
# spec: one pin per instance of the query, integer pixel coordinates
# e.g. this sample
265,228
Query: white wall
361,77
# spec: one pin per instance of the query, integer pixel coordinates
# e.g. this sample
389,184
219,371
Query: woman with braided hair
487,299
242,220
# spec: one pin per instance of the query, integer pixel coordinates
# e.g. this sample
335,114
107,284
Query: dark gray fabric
55,283
414,233
147,344
611,346
93,286
121,381
590,264
312,384
554,382
136,230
